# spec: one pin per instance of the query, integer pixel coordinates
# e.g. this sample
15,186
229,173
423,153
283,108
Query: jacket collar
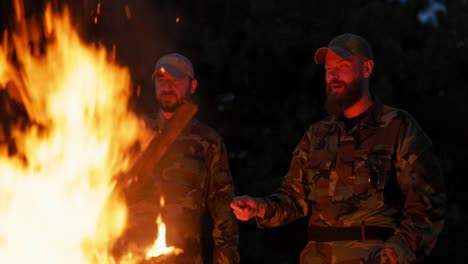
371,120
374,117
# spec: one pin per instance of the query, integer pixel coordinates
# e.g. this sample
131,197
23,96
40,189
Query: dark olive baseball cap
346,46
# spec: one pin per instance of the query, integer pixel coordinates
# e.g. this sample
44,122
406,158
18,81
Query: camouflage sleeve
289,202
422,185
220,193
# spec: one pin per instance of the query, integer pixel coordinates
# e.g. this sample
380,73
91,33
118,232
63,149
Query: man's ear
368,68
193,86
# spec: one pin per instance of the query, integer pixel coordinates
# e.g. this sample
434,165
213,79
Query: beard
336,104
169,101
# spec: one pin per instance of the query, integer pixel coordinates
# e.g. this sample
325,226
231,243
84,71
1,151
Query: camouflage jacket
195,180
381,173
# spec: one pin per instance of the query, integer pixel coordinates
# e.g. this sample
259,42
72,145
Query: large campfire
57,199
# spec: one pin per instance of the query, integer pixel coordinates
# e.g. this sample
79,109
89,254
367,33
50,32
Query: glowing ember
55,203
128,13
98,8
159,247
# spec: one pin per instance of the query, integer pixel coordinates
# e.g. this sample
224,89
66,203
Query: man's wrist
400,249
261,207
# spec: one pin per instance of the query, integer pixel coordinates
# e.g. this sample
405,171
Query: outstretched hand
381,256
246,207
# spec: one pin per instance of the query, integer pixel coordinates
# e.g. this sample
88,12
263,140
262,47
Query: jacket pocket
318,173
380,165
361,171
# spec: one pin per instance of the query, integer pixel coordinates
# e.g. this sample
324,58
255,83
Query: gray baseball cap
177,65
346,46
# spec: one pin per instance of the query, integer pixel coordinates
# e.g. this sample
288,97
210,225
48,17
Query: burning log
160,260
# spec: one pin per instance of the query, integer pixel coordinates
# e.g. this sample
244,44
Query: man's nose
166,86
332,74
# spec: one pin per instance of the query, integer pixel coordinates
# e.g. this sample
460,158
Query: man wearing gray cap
365,175
193,176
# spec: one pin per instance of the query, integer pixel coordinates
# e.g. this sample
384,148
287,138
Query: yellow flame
159,246
58,206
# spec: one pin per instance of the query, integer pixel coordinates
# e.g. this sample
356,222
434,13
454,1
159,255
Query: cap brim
169,69
321,53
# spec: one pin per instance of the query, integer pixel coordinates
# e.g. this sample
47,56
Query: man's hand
246,207
381,256
390,256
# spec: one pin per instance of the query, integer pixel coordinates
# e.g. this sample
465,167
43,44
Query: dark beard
336,105
169,107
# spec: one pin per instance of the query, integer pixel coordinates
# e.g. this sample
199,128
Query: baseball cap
177,65
345,45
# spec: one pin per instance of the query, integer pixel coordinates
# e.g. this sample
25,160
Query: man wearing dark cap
365,175
193,176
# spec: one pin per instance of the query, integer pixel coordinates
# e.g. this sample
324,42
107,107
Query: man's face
344,79
171,92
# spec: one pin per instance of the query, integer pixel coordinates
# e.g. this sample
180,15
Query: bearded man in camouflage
366,175
193,176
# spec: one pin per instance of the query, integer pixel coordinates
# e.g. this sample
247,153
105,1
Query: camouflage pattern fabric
195,180
380,173
344,252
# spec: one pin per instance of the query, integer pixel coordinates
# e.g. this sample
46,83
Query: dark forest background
260,89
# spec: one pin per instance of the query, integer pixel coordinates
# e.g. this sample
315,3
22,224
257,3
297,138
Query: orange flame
57,206
159,246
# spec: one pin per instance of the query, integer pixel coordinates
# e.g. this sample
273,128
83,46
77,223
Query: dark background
260,89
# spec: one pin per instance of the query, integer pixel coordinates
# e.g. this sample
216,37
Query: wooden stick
160,142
